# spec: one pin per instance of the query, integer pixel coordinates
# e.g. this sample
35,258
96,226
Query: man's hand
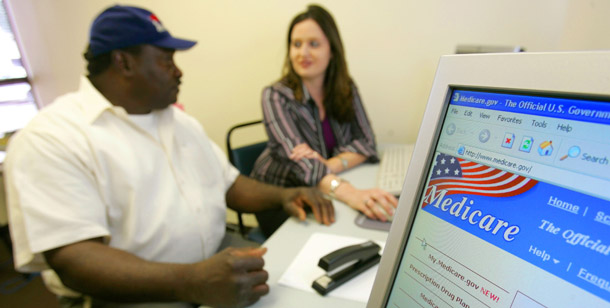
232,278
296,199
251,196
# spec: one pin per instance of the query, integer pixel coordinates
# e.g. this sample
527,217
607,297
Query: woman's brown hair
338,94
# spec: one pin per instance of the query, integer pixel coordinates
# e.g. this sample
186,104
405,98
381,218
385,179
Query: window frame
32,100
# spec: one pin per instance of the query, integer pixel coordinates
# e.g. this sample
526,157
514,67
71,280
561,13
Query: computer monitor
506,202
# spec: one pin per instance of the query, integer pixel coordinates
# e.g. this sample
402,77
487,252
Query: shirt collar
95,103
306,95
307,100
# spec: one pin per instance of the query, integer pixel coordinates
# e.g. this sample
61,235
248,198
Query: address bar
565,178
505,162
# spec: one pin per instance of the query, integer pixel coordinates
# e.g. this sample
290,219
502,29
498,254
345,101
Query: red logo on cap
157,23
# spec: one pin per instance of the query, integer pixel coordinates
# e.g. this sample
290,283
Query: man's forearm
249,195
95,269
233,277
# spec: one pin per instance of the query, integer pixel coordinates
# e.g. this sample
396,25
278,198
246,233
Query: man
120,197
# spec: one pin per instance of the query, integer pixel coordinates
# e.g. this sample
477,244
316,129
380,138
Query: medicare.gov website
516,209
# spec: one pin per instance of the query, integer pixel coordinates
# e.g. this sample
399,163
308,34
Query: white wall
587,25
392,47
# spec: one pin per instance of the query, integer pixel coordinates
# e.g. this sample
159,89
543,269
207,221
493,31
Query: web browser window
517,204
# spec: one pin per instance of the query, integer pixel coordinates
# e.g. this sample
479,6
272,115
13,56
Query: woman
315,121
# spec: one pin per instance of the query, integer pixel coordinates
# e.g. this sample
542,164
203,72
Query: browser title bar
563,108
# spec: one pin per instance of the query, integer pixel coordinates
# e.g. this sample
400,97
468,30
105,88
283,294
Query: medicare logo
457,184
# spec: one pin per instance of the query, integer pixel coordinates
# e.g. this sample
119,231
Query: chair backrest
243,158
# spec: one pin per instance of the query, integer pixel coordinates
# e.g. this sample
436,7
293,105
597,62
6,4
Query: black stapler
345,263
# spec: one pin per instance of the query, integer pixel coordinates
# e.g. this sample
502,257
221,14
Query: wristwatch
334,184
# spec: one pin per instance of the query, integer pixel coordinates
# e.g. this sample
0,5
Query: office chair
243,159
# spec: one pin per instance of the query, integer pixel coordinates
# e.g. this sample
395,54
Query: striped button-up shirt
289,122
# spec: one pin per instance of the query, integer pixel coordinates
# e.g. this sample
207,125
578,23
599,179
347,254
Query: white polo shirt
82,169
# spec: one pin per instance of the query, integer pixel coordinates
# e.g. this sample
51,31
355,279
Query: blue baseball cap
124,26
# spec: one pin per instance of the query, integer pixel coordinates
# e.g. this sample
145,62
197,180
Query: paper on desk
304,269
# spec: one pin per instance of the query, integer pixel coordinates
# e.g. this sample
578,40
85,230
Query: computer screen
509,197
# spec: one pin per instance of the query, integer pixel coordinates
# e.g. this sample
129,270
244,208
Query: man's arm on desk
249,195
232,278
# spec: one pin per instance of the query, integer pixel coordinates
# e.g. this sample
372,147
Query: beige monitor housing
573,74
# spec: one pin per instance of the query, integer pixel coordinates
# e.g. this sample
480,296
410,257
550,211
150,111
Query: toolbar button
509,139
545,148
526,144
484,136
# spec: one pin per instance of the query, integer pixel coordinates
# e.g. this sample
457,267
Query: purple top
329,137
290,122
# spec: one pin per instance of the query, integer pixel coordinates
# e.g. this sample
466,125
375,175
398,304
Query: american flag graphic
459,176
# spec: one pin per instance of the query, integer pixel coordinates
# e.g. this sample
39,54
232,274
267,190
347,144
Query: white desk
286,242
